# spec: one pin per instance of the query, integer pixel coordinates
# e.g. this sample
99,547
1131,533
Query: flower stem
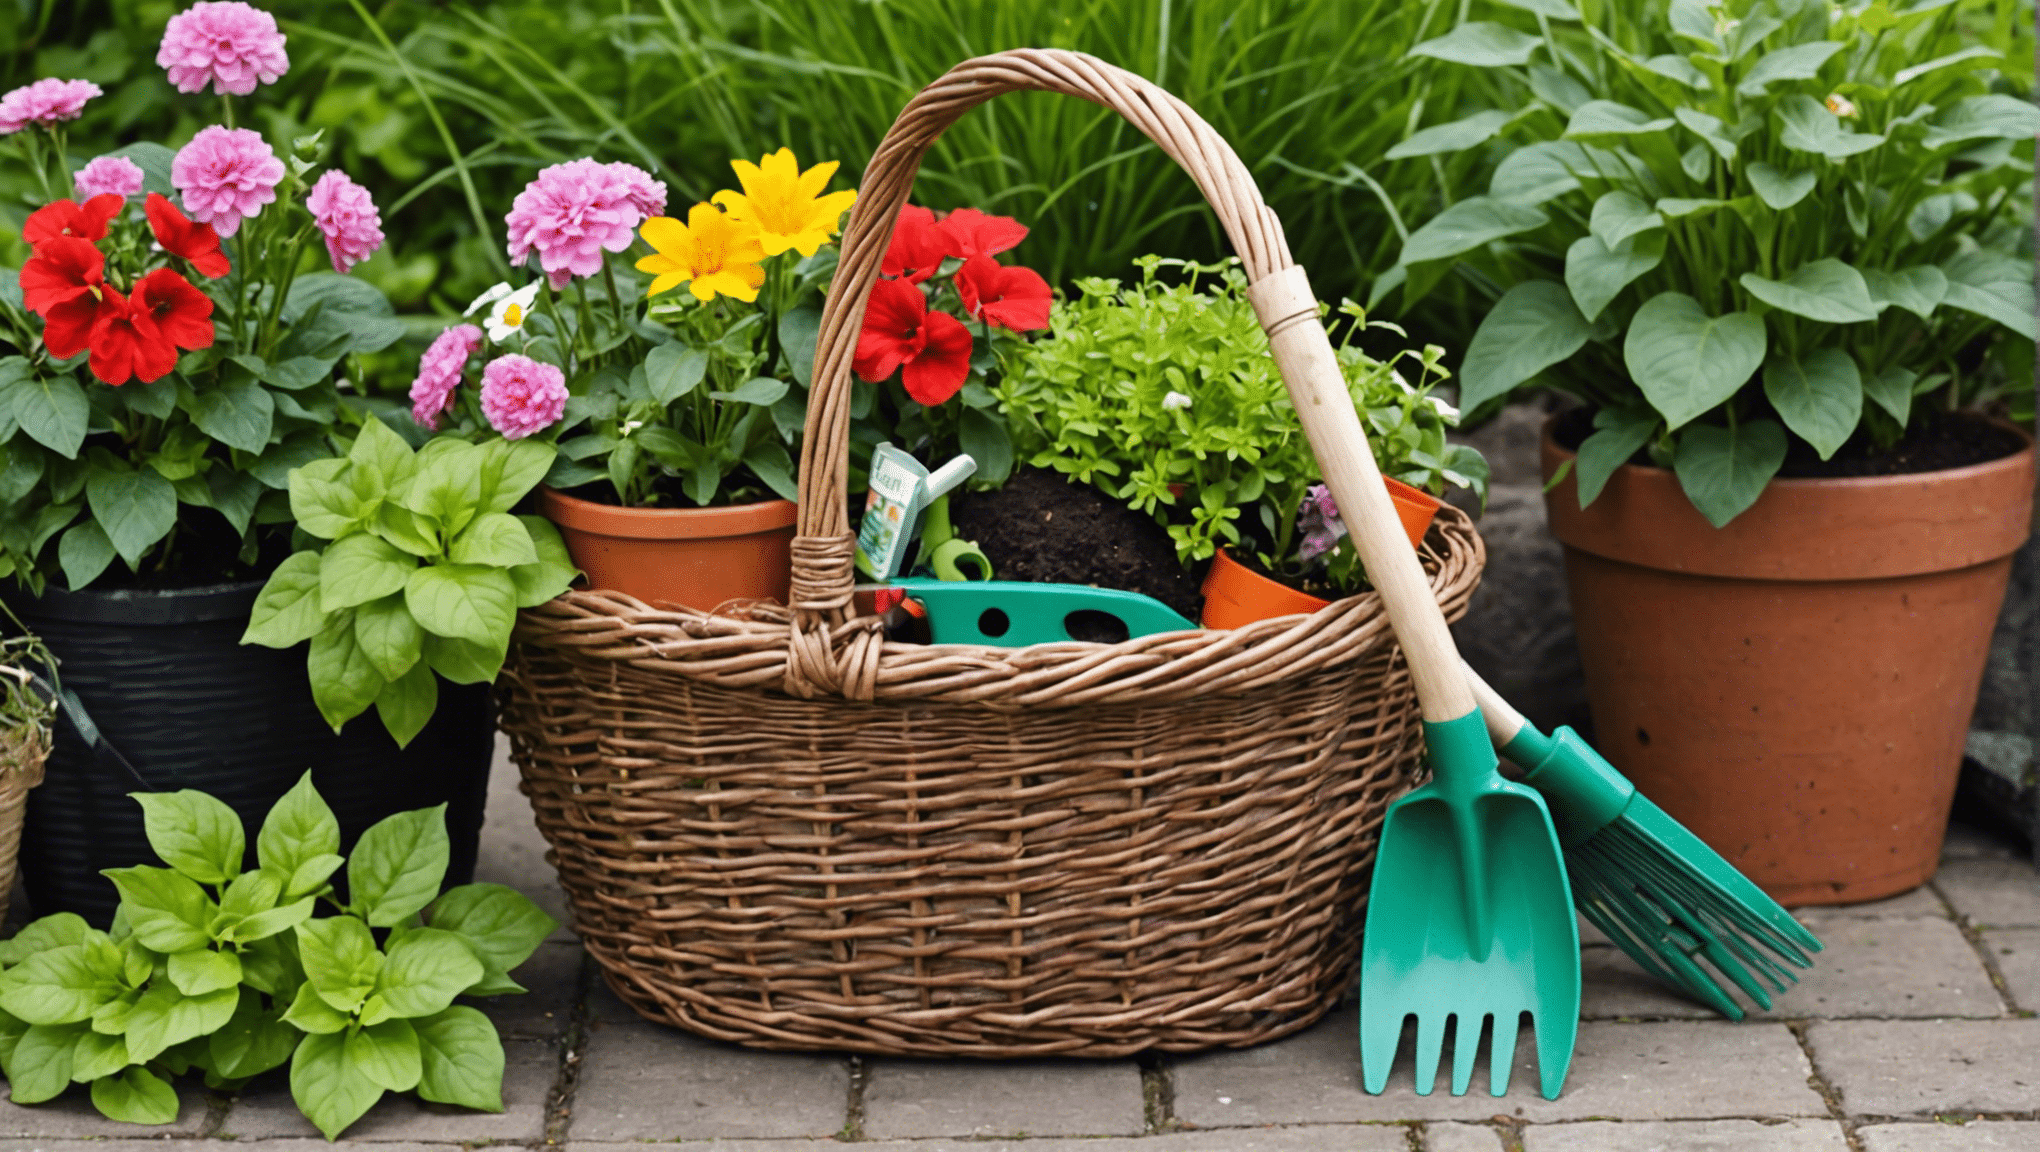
63,158
615,301
35,163
226,110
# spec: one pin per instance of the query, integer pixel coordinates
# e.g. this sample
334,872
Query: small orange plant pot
1236,595
697,557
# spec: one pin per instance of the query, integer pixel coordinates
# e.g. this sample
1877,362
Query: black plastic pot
172,690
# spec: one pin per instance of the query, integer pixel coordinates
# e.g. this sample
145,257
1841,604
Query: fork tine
1554,1050
1502,1053
1430,1046
1380,1036
1465,1050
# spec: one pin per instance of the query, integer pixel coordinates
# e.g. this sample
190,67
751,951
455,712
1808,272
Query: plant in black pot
1783,253
176,352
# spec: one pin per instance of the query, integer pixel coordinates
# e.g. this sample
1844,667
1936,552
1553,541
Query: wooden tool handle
1303,352
1503,721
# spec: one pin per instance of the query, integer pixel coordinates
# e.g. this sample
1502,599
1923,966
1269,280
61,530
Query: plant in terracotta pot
176,343
1783,253
1163,395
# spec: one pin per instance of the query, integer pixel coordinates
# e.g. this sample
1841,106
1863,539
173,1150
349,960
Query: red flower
931,350
972,233
67,218
182,236
126,342
1011,297
63,269
67,327
918,246
182,314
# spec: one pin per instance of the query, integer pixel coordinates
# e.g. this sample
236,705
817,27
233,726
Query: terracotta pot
1236,595
697,557
1795,687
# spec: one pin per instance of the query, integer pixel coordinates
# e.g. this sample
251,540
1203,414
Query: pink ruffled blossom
1318,517
575,211
439,373
45,102
228,44
117,175
226,175
346,215
521,396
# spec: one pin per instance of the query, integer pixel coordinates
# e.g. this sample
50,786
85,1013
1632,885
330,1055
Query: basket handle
827,653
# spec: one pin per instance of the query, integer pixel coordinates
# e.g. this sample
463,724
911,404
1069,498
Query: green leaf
461,1060
407,702
1482,44
759,390
1724,470
252,892
340,958
330,1089
1679,70
194,833
168,911
1536,173
1710,129
1596,274
398,865
987,439
1687,362
96,1055
407,530
673,371
299,827
448,486
154,160
1619,215
495,539
1992,117
1467,225
1974,52
263,925
322,500
553,571
134,509
39,1068
463,601
1607,118
136,1096
309,1012
380,450
501,924
386,1053
1826,290
253,1041
425,969
344,679
1618,433
387,634
235,495
1819,395
2000,290
799,330
165,1017
237,412
61,986
1532,327
1919,289
55,931
202,971
361,568
464,661
1778,188
1678,208
1798,62
1456,136
54,411
84,552
1892,390
768,460
510,468
1556,9
1809,127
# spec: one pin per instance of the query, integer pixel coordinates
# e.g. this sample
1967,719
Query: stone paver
159,1145
265,1109
72,1115
1905,1067
1975,1136
904,1098
1612,987
2016,952
552,979
1688,1136
1897,967
1303,1138
1999,893
1920,901
1446,1136
512,849
1629,1071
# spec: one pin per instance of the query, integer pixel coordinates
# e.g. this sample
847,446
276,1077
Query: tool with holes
778,828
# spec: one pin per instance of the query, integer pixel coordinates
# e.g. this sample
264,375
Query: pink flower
108,174
521,396
230,44
346,214
44,102
1318,516
574,211
224,175
439,372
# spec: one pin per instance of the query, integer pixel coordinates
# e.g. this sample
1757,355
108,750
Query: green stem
63,160
226,110
35,163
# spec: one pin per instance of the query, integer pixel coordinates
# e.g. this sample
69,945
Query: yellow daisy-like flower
713,254
785,203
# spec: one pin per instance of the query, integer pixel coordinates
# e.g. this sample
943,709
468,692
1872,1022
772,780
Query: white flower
508,310
1450,413
1404,384
630,426
1175,401
1841,106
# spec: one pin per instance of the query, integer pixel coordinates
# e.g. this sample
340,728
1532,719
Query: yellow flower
712,253
785,203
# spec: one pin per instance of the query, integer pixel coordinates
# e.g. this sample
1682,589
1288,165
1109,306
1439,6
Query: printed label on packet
882,536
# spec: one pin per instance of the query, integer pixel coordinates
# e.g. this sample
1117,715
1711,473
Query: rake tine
1502,1052
1465,1050
1430,1047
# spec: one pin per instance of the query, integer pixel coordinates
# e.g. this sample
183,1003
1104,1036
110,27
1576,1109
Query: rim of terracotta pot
1804,528
666,523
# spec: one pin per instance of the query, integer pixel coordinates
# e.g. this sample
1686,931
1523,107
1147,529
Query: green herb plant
1165,396
423,571
1726,226
213,969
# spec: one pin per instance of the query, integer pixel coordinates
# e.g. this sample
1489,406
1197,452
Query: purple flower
225,175
115,174
44,102
574,211
439,372
521,396
347,217
229,44
1318,517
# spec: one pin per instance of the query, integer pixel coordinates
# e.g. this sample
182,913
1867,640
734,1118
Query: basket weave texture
23,751
780,829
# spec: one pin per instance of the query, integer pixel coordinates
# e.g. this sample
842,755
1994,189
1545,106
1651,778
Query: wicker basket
778,828
23,750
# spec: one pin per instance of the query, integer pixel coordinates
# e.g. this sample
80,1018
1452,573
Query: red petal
68,218
944,363
972,233
1023,300
181,236
63,269
180,312
917,247
67,327
114,340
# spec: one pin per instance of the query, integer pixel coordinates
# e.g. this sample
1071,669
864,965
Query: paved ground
1917,1033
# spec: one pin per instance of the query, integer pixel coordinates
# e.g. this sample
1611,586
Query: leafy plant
1166,397
423,572
1729,225
226,971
